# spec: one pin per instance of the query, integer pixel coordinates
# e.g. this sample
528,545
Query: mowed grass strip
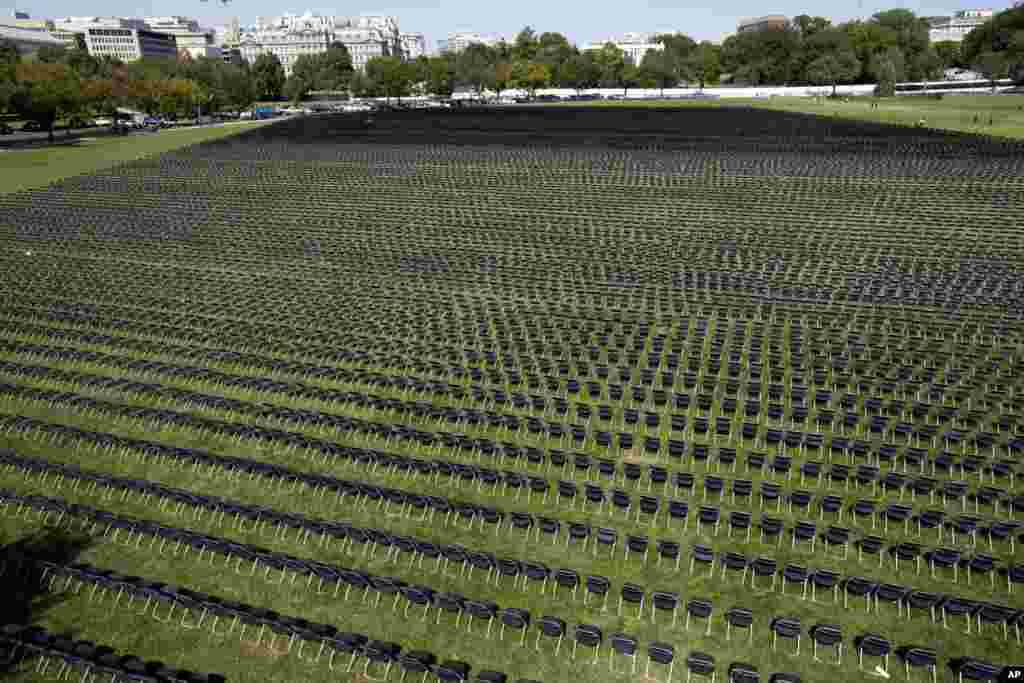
33,168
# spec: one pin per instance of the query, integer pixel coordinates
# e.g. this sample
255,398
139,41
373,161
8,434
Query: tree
659,67
442,76
537,75
333,68
9,59
769,56
1002,34
475,67
51,54
526,45
704,63
302,78
808,26
268,76
502,77
885,73
629,77
949,55
992,65
45,91
834,67
610,61
391,75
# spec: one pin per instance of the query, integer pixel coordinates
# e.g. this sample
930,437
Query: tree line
890,47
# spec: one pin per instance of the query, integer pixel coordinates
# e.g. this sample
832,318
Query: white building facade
959,25
413,45
129,44
67,29
27,41
290,36
633,45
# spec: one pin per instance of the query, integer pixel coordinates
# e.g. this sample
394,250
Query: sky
581,21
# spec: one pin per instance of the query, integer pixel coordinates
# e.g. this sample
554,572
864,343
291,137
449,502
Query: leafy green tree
1002,34
525,46
45,91
629,77
992,65
948,53
611,61
834,68
334,68
303,77
554,50
704,64
475,67
769,56
51,54
268,75
660,68
442,76
391,75
360,85
884,71
9,59
808,26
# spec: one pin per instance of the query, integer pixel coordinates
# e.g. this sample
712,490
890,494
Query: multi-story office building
188,35
26,39
24,21
957,26
71,30
456,42
129,44
771,21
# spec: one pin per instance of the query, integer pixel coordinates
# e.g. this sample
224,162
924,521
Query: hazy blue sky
580,20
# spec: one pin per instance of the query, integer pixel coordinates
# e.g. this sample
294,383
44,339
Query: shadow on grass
25,593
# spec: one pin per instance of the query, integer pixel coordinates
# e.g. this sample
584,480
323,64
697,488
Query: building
413,45
290,36
24,21
287,46
72,29
457,42
27,41
957,26
189,37
129,44
231,55
633,45
771,21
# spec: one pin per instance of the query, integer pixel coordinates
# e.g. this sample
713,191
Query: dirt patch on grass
631,455
250,648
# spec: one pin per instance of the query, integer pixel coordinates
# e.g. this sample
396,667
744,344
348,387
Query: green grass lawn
32,168
965,113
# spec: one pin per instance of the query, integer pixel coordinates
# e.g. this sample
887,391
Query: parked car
5,129
153,122
104,121
32,127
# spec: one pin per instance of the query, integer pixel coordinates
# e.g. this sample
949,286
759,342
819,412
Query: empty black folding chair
597,585
704,555
622,644
771,527
700,664
918,658
762,567
662,654
788,628
698,608
669,550
452,671
665,602
514,618
827,635
739,617
608,538
734,562
550,627
872,645
975,670
634,594
742,672
587,635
